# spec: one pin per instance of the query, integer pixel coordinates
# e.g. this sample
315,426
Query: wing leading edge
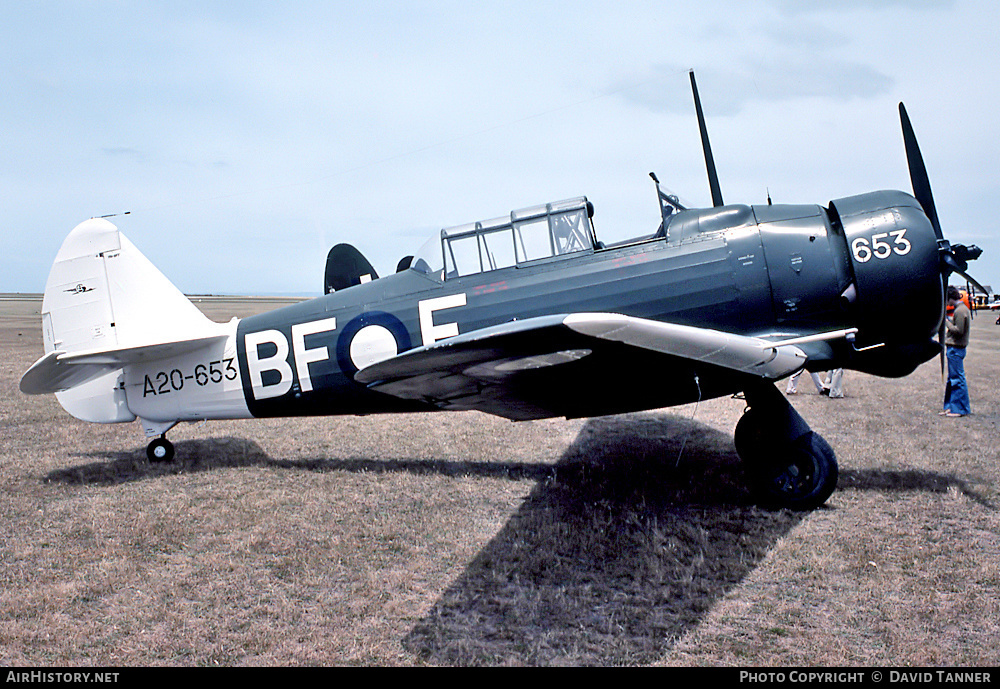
581,364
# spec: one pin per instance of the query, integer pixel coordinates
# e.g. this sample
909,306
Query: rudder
101,294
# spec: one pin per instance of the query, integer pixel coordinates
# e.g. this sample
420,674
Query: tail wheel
160,450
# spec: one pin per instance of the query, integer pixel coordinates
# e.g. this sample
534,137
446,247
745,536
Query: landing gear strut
160,450
789,464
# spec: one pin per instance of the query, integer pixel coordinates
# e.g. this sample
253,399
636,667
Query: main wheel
750,437
160,450
800,475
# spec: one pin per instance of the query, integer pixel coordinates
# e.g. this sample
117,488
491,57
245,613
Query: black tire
800,476
160,450
750,438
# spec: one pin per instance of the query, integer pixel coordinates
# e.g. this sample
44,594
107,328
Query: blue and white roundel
372,344
370,338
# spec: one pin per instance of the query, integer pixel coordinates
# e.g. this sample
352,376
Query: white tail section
103,293
106,304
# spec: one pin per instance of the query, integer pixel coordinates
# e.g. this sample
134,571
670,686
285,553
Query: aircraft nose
893,252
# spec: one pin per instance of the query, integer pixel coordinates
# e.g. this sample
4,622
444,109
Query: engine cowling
896,297
894,258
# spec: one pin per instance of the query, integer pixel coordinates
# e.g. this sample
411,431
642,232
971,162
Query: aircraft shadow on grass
210,454
623,551
613,558
622,546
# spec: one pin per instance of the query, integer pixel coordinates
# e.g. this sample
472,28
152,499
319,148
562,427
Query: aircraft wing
58,371
582,364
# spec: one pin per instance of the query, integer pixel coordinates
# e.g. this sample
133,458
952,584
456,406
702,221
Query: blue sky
247,138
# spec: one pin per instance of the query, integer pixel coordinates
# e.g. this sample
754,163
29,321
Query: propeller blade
944,376
953,264
713,176
973,281
918,172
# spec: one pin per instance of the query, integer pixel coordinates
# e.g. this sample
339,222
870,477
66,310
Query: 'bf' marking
278,361
373,346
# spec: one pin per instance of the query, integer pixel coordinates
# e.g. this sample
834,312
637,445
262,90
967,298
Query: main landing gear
789,464
160,450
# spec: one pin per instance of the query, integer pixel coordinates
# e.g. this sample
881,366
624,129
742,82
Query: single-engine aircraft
530,316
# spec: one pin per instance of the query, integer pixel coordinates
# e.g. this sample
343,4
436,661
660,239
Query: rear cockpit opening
539,233
346,267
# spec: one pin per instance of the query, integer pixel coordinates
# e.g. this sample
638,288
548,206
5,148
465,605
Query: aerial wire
694,412
404,154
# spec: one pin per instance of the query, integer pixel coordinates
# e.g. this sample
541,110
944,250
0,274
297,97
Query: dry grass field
457,539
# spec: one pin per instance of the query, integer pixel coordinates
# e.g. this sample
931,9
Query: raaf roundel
530,316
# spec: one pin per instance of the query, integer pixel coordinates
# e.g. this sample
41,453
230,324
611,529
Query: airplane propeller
713,175
954,259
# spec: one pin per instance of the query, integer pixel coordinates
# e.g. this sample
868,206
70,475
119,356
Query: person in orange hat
956,392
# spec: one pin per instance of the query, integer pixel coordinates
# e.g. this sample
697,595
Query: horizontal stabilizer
58,371
107,306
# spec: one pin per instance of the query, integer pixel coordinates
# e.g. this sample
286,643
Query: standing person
956,392
793,382
833,387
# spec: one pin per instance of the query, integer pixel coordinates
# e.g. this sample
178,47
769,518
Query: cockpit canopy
532,234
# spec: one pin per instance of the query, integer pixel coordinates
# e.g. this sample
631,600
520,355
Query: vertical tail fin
103,294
